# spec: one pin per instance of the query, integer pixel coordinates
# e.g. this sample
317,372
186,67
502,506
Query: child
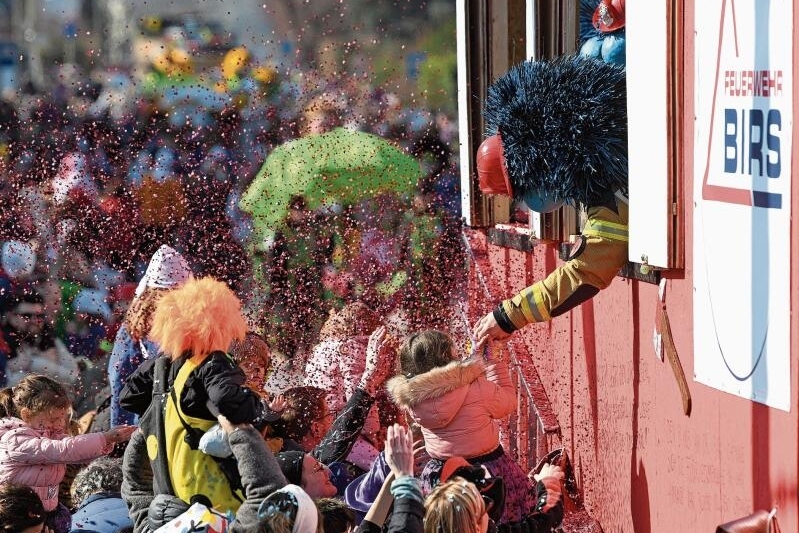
34,446
338,360
20,509
456,403
194,326
167,270
252,355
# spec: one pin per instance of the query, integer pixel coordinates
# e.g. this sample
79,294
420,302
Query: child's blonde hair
200,317
454,506
36,394
139,316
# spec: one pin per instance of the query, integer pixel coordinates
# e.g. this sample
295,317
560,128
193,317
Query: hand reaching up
399,451
380,355
548,470
278,404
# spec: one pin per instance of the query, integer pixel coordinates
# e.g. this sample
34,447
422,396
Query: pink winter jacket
457,406
29,457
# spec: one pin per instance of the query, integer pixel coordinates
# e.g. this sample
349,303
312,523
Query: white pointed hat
167,270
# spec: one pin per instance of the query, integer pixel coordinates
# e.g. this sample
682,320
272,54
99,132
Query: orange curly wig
200,317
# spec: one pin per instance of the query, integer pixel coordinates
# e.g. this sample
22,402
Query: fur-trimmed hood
410,392
457,405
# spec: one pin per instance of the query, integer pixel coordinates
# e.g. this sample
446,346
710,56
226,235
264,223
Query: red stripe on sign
719,193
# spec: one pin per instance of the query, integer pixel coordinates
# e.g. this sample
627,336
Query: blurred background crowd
100,165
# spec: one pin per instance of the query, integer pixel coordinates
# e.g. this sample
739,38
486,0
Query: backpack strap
228,465
193,435
153,425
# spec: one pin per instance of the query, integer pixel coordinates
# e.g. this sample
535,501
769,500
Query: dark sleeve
502,320
337,443
407,516
138,390
137,482
368,527
3,360
227,395
548,511
260,474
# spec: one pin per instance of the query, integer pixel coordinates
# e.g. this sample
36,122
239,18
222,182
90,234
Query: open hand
278,404
487,329
119,434
399,450
380,352
548,470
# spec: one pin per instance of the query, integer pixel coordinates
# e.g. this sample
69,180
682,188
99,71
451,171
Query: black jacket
337,442
407,516
216,386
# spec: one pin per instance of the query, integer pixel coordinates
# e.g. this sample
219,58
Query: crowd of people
156,357
276,462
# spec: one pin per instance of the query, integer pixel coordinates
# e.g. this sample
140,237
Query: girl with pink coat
35,448
457,403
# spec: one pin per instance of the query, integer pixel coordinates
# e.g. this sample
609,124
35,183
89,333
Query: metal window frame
486,49
550,29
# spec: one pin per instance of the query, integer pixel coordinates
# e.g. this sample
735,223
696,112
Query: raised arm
338,442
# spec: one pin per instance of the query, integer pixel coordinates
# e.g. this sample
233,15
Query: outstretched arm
590,269
408,512
338,442
400,488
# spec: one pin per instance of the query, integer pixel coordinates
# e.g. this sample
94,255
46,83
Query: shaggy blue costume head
563,126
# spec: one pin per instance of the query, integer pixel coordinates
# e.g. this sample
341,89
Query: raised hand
380,354
487,329
399,451
278,404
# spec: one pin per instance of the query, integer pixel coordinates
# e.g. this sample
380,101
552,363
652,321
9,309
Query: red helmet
609,15
491,167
